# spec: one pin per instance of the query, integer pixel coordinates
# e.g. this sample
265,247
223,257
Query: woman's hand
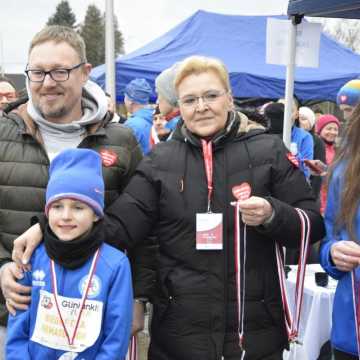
16,296
345,255
25,245
255,210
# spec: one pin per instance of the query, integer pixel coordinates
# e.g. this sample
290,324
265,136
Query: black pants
339,355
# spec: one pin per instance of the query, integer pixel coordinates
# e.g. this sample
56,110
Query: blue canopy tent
239,41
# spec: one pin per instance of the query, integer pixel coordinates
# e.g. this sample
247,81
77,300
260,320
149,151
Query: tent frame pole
110,50
289,85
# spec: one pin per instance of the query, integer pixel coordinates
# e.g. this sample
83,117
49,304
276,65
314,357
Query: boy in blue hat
81,299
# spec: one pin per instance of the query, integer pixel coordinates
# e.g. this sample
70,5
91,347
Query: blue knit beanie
76,174
349,94
139,91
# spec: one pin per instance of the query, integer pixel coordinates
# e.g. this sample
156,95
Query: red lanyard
208,160
83,299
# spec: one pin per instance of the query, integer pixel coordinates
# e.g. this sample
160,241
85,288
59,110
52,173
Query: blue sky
139,20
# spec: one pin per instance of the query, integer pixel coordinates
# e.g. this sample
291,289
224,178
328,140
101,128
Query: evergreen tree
63,15
93,33
119,40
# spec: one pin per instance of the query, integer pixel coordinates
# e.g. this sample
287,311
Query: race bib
49,330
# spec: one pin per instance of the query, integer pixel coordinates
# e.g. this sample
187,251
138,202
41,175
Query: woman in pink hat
327,127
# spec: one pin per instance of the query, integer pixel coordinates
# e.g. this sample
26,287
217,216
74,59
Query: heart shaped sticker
242,191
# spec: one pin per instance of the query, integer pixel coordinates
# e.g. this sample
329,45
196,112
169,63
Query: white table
316,315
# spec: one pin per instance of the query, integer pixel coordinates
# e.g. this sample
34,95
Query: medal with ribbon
241,192
71,337
292,316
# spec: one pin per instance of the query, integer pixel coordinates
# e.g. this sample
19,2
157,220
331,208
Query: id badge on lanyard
209,225
209,231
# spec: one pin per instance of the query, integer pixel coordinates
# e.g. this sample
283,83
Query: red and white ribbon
241,192
292,316
132,353
87,285
154,138
240,263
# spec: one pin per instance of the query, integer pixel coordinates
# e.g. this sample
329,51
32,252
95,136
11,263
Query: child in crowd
159,131
81,299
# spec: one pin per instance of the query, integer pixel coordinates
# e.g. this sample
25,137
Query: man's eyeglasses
209,97
58,75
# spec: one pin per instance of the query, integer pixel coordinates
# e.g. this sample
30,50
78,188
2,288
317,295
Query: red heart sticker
242,191
293,159
109,157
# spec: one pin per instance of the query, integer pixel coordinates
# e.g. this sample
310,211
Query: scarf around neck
73,254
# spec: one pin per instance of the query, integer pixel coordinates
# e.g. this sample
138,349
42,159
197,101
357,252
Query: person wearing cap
167,98
302,145
75,276
306,121
159,131
306,118
327,127
348,97
137,95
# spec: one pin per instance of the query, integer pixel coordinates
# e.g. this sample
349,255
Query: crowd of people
185,204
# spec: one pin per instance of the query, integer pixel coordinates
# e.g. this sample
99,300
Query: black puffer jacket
195,304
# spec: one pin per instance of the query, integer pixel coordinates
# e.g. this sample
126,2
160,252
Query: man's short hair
58,34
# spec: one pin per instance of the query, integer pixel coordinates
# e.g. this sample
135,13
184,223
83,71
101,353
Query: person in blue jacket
340,251
136,100
302,144
81,299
